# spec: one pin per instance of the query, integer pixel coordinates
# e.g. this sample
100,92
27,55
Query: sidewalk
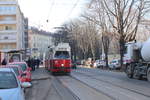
40,74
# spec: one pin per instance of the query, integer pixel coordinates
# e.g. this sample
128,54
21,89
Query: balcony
8,38
8,13
8,41
7,31
8,2
8,22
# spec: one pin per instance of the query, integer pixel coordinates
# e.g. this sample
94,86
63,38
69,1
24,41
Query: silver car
115,64
100,63
10,86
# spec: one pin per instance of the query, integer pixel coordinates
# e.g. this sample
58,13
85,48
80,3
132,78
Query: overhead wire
68,15
70,12
50,9
74,6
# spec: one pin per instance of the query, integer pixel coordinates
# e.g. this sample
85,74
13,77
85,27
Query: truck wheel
136,75
129,71
148,74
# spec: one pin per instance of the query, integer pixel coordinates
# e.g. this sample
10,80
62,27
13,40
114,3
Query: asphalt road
47,87
115,84
87,84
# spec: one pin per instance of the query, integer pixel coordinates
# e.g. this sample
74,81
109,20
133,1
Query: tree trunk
105,40
75,55
93,54
122,48
106,58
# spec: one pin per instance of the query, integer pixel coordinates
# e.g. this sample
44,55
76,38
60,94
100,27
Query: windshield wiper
3,88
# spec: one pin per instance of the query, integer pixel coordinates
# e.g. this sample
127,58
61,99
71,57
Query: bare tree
97,15
78,36
125,16
84,32
144,30
92,37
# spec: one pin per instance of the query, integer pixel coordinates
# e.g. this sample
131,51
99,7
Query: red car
26,70
18,71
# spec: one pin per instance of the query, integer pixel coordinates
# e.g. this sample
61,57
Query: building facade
11,26
26,32
39,41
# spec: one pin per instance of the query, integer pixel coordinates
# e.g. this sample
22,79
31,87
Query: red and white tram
58,58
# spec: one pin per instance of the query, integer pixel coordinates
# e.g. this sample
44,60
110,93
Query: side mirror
29,69
26,85
24,74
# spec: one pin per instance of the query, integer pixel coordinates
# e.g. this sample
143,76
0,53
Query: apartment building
39,42
11,26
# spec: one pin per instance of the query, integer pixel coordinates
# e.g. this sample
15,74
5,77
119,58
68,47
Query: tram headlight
62,65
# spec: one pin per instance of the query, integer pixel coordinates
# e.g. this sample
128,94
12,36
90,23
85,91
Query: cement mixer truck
137,59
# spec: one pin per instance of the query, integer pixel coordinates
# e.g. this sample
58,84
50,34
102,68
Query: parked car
97,63
23,77
78,62
115,64
100,63
10,87
26,70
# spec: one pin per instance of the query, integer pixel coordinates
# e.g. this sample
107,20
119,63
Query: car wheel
129,71
148,74
53,73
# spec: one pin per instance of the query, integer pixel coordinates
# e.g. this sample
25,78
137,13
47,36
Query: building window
8,28
26,27
6,37
34,45
7,47
9,18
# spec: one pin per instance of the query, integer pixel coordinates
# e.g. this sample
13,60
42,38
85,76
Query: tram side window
62,54
49,55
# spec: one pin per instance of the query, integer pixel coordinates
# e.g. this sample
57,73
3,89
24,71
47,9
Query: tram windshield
62,54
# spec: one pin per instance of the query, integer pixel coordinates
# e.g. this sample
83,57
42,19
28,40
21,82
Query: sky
55,11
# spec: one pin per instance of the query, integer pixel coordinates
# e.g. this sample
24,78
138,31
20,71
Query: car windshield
113,61
7,80
15,70
62,54
23,66
97,61
101,61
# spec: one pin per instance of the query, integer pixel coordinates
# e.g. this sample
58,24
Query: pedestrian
29,62
4,62
33,64
37,62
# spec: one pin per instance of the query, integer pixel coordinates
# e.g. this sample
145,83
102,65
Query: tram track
116,85
94,88
64,92
100,94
